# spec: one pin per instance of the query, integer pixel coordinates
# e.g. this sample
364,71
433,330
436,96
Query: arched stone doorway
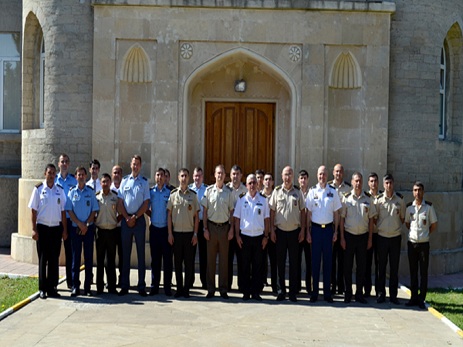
212,82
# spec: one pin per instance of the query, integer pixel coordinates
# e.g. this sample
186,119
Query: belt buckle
323,226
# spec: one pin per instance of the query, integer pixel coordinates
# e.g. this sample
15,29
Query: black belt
218,224
323,226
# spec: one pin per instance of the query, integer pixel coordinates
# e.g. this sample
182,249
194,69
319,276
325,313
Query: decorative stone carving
136,66
295,53
345,72
186,50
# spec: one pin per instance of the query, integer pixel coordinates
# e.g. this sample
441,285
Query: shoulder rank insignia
367,194
410,204
173,190
296,187
114,191
347,194
278,187
192,191
399,195
428,203
242,194
38,185
347,184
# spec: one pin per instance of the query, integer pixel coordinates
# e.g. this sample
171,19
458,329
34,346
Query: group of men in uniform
332,221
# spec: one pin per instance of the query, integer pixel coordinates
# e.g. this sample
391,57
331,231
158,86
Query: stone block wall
415,152
8,208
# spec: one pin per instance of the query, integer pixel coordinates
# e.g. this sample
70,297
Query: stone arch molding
136,66
206,66
345,72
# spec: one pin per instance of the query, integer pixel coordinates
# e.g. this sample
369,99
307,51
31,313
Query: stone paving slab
109,320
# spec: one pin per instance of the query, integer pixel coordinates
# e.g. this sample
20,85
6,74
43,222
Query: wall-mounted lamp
240,86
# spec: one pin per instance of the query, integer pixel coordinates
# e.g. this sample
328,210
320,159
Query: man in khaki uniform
356,229
391,214
237,188
218,212
337,271
287,214
106,236
421,221
182,224
372,253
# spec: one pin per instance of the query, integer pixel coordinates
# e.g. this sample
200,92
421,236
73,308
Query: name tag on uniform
126,188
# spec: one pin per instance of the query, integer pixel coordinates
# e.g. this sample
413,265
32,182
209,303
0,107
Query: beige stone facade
355,82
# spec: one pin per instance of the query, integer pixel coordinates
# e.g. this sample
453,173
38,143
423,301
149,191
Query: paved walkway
110,320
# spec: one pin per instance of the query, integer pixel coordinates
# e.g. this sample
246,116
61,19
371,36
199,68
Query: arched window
10,82
42,81
443,94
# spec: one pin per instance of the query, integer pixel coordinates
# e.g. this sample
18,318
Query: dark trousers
233,249
68,254
202,249
271,251
161,254
389,250
218,243
251,257
87,241
184,256
106,249
287,243
128,234
418,258
322,245
304,248
372,258
48,248
337,268
119,251
356,246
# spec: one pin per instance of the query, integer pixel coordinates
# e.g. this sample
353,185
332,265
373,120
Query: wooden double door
239,133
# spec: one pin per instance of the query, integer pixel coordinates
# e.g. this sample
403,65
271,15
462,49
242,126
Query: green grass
449,302
14,290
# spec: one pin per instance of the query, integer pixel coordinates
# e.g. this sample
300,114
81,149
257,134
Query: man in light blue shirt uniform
200,188
161,250
67,181
82,206
134,198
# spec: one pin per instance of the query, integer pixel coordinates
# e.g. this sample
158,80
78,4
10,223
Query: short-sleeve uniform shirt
390,212
158,202
133,191
82,203
107,215
420,219
287,204
183,206
322,203
219,203
357,211
49,203
252,213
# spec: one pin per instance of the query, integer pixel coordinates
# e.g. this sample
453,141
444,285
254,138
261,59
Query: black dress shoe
168,292
411,303
380,299
210,295
313,299
347,300
329,300
99,291
75,292
422,305
293,298
360,299
123,292
54,294
186,294
394,301
142,293
224,295
112,291
178,294
88,292
281,297
154,291
42,295
257,297
246,297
